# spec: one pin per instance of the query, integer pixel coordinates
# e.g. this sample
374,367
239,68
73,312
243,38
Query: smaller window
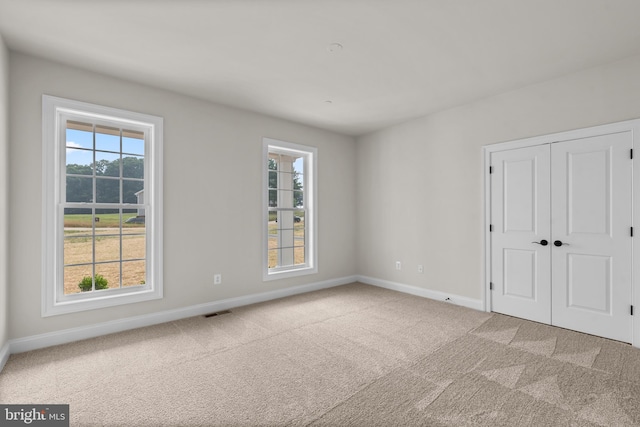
289,209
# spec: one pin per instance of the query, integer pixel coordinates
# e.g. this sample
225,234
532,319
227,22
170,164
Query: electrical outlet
421,269
217,279
398,265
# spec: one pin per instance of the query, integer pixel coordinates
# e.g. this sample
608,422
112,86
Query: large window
289,199
102,217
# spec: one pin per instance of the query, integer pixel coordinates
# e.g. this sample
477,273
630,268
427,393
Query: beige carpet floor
354,355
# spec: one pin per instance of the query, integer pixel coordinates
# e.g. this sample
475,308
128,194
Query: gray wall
212,194
4,193
410,193
420,189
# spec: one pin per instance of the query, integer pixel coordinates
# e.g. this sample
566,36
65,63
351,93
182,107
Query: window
102,196
289,209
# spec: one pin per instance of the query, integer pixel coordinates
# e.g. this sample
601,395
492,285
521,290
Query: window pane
133,167
78,250
131,190
79,162
298,165
107,222
298,199
107,190
133,142
108,276
273,179
78,222
299,227
137,227
107,164
133,221
273,162
79,135
298,256
107,248
299,238
133,247
107,139
272,226
273,198
73,276
79,189
273,256
134,273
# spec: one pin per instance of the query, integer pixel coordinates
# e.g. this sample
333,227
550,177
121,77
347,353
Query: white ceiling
401,58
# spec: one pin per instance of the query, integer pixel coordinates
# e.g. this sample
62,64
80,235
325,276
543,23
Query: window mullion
94,199
93,252
120,212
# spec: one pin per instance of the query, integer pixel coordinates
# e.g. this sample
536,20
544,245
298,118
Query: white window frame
310,155
54,111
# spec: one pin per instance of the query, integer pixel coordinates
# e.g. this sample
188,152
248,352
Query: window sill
99,301
285,274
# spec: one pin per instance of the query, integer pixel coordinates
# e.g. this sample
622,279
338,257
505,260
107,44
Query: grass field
110,246
104,221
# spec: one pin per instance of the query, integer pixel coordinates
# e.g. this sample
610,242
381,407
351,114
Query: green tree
298,197
273,182
80,189
133,167
101,167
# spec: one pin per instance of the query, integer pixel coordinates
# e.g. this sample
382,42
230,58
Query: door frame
632,126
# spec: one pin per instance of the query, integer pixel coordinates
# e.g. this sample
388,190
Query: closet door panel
520,269
591,220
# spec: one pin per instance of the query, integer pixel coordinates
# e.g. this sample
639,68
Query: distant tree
101,167
133,167
298,197
273,182
80,189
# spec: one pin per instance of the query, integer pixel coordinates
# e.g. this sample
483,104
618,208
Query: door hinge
632,310
631,231
490,227
490,286
631,153
490,169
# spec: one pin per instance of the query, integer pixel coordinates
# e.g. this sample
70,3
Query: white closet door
520,217
591,220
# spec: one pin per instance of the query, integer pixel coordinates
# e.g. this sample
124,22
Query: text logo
34,415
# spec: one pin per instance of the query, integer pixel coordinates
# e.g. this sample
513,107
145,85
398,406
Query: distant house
140,196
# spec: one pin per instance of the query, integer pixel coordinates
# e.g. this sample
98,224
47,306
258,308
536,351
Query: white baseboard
75,334
4,355
426,293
